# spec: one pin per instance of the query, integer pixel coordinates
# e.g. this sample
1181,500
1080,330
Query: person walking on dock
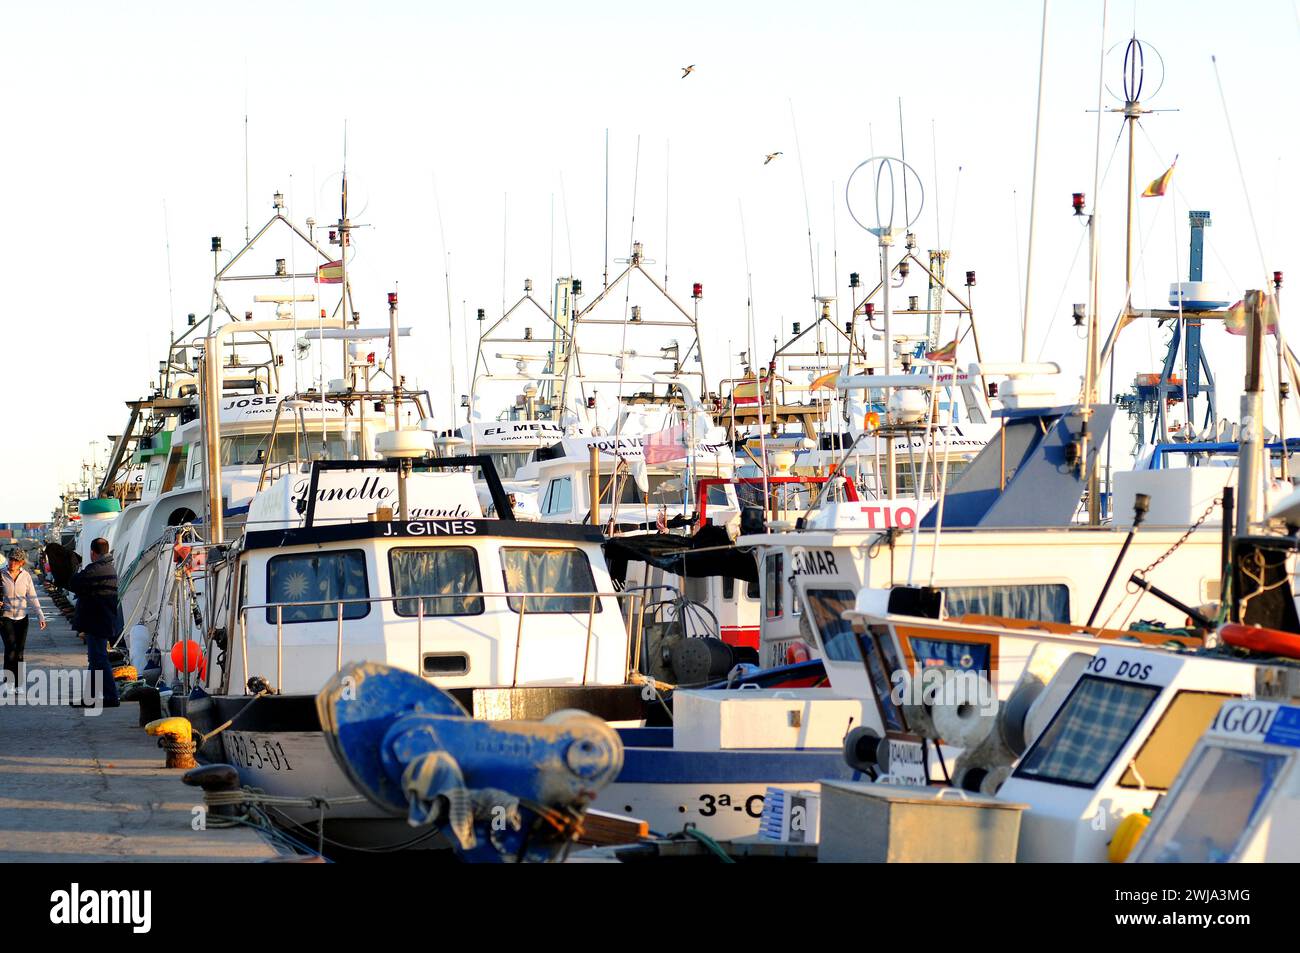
99,618
17,596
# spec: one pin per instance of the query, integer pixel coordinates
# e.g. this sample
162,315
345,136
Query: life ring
1256,638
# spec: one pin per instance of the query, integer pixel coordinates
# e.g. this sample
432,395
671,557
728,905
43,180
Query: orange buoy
1256,638
187,656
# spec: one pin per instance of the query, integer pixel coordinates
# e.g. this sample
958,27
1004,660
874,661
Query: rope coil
180,754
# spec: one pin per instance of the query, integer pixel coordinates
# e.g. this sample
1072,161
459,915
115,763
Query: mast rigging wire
1033,193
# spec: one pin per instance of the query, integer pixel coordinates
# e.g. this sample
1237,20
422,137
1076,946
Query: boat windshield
251,449
1226,790
1085,736
1162,755
539,571
508,463
664,489
827,608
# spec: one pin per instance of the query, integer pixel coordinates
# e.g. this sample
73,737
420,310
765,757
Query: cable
712,845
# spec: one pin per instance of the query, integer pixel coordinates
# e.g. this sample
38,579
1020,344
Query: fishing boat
1237,797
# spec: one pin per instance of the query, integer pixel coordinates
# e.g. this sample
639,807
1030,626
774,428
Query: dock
80,787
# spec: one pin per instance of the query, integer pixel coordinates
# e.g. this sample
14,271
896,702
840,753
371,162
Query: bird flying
770,157
688,70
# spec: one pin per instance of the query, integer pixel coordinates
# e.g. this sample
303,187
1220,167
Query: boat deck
81,787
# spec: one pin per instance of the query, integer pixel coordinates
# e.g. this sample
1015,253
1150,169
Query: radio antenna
807,214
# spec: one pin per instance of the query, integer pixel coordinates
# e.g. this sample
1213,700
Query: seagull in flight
770,157
688,70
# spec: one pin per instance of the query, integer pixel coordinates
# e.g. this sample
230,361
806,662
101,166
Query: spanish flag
1234,322
745,392
944,355
826,381
1159,185
330,273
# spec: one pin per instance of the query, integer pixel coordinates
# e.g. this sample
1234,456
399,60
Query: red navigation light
697,290
392,299
1277,279
970,279
1077,199
870,309
322,312
591,403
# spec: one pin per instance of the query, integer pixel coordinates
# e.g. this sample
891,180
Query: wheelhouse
465,600
1115,744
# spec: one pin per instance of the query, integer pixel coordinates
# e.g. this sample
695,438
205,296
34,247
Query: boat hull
277,746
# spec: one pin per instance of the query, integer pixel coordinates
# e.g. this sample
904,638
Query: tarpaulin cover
63,563
708,553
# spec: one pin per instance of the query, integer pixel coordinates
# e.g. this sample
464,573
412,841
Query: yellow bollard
176,736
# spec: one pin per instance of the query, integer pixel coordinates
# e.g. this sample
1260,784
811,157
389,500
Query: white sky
109,111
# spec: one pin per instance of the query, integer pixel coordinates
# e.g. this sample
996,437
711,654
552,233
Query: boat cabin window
962,656
663,489
441,576
1226,789
508,464
175,468
1162,755
559,496
826,608
773,588
251,449
882,662
549,571
906,474
1040,602
781,497
327,577
1083,738
729,588
717,495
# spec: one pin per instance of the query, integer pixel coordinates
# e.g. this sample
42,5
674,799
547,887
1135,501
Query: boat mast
1093,368
1250,472
346,314
404,466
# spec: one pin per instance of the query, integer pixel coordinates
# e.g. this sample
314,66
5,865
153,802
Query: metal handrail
633,622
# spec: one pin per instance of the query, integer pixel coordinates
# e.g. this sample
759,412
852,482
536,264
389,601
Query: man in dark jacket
99,617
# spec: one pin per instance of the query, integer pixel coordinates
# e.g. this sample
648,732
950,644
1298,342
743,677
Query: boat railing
633,614
273,472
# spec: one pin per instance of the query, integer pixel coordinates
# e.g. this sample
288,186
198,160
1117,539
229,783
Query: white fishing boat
1115,745
1237,797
